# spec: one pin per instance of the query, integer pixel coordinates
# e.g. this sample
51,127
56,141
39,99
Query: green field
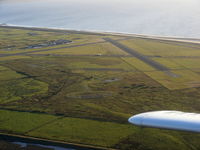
84,91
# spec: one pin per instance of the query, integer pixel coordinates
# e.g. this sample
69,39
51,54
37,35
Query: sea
176,18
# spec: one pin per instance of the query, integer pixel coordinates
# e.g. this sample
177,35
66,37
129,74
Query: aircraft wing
174,120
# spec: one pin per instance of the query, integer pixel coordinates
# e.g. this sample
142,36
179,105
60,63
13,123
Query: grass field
19,122
86,93
85,131
157,48
96,49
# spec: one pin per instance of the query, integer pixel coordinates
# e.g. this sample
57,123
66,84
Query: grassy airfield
84,91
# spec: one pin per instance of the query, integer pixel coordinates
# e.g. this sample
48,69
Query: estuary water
24,145
155,17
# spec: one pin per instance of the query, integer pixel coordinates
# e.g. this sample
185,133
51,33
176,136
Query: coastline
146,36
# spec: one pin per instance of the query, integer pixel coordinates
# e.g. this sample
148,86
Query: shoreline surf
154,37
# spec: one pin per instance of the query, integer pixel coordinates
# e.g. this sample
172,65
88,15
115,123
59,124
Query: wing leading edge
174,120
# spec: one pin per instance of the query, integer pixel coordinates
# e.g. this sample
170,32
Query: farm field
81,87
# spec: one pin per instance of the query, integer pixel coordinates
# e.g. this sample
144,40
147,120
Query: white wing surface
174,120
